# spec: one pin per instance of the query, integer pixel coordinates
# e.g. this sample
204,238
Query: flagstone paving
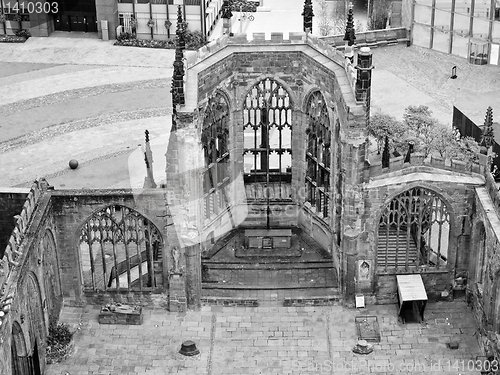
272,340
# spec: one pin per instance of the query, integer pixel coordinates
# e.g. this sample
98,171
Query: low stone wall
375,168
373,38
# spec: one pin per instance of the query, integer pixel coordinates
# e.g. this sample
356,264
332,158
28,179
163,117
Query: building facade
466,28
150,19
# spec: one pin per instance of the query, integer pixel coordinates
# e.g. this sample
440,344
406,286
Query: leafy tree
325,25
379,15
381,126
339,17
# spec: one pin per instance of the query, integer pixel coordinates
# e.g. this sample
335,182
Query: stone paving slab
271,340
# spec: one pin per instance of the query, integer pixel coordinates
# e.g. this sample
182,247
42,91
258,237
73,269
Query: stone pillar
193,276
177,292
107,10
349,251
364,77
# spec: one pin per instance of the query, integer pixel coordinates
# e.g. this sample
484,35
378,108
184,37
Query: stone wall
11,203
455,190
30,285
71,209
373,38
483,283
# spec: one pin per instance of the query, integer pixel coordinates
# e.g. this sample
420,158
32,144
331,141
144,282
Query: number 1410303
33,7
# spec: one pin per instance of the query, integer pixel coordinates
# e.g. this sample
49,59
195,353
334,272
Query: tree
325,26
379,15
381,126
339,17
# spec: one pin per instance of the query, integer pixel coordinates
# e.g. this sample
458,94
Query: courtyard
85,99
272,340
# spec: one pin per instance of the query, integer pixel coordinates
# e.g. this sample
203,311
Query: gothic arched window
214,138
414,230
120,249
267,128
318,154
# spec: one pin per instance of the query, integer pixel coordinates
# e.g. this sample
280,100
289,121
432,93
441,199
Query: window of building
414,230
267,127
120,250
214,138
318,154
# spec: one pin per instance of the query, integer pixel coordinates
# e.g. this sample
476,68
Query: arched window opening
414,230
267,129
318,154
51,274
120,249
22,364
214,138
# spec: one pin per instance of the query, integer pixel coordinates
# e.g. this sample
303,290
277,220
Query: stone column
193,276
364,77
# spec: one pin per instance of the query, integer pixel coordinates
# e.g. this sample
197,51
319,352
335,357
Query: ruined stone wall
71,209
483,283
458,197
11,203
31,287
300,74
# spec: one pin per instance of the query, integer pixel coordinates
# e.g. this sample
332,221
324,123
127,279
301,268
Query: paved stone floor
272,340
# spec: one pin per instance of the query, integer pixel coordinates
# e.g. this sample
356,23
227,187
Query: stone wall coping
490,210
425,176
105,192
14,190
417,159
372,38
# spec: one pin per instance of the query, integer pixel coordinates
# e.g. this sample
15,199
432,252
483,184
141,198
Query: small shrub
12,39
59,342
194,39
59,334
23,33
126,36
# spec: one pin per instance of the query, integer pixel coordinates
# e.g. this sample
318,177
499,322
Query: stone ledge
244,302
312,301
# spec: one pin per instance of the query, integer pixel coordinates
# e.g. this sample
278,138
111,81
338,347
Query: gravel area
63,96
56,130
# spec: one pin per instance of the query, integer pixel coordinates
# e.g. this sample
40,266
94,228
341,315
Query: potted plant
168,24
151,23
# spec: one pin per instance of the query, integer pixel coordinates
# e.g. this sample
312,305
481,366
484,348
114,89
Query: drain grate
367,328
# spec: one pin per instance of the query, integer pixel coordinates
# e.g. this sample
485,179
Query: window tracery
120,249
318,154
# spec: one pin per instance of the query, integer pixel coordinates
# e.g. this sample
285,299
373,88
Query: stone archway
267,134
120,249
21,362
414,230
52,284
